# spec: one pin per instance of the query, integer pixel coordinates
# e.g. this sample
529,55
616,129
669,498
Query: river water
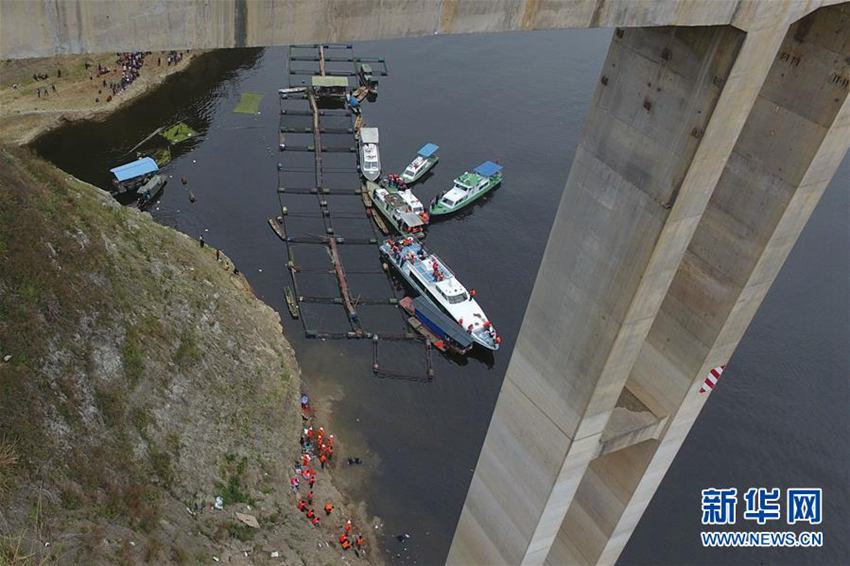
780,417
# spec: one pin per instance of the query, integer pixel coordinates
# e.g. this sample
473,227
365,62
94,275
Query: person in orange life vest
310,496
347,526
330,453
331,441
342,538
312,481
311,514
310,433
360,541
346,544
322,460
305,459
315,521
328,508
302,505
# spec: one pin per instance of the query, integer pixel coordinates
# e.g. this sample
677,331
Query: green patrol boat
467,188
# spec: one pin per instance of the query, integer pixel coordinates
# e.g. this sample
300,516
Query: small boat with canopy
425,159
131,176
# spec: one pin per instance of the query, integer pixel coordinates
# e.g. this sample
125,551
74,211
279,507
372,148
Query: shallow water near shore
520,99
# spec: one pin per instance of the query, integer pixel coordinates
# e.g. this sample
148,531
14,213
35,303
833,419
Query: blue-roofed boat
131,176
425,158
427,274
468,188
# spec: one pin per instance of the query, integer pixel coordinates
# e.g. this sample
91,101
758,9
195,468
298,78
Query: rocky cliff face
143,380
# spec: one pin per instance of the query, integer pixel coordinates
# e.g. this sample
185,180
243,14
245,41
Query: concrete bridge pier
704,153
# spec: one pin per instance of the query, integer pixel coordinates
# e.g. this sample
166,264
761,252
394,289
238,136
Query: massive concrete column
602,387
795,137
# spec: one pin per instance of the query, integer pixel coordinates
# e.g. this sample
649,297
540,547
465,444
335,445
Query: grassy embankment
144,379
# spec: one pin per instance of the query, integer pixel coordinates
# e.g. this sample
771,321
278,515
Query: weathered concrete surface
664,245
42,28
792,143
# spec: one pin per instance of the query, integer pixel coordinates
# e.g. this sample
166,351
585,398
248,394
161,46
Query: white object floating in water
206,229
194,161
219,502
260,269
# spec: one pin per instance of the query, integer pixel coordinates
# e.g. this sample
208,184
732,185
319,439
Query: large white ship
427,273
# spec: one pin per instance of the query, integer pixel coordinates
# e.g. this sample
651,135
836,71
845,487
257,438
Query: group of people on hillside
174,57
131,66
316,445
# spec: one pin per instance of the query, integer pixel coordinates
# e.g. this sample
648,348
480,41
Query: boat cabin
330,88
409,222
470,183
452,291
421,159
412,202
365,76
131,176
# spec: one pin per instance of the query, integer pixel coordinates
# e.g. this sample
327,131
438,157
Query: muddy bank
39,95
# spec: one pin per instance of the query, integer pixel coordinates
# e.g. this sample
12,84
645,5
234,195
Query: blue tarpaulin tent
428,150
138,168
488,169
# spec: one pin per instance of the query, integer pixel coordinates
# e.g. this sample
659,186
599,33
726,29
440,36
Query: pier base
704,153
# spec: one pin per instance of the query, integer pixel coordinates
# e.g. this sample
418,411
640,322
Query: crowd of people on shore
174,58
129,64
317,446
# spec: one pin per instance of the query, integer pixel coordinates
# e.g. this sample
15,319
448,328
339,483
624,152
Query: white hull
370,161
467,313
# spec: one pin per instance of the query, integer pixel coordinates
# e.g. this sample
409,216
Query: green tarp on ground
162,156
249,103
177,133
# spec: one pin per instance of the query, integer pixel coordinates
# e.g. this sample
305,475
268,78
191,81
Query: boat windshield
455,299
371,164
448,202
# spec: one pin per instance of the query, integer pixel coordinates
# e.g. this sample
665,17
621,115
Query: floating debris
178,133
249,103
161,155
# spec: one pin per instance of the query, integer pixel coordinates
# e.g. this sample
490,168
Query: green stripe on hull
438,209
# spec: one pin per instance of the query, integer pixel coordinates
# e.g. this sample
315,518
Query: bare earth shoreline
24,115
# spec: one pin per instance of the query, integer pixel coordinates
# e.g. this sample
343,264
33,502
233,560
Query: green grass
233,490
89,293
178,133
162,156
187,352
249,103
131,353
